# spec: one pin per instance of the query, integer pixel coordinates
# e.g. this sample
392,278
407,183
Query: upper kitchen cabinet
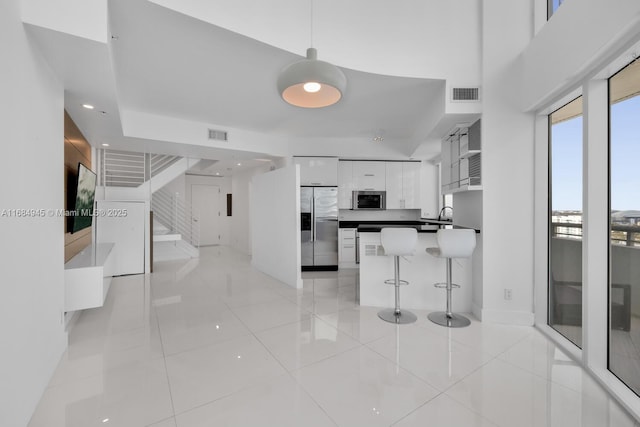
318,170
395,198
369,175
429,190
461,160
346,184
403,185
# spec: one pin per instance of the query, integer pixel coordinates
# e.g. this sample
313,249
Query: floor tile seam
204,345
324,358
548,381
251,305
225,396
351,335
489,359
256,303
161,327
422,380
416,409
308,393
473,410
166,370
473,371
162,421
402,417
101,373
279,325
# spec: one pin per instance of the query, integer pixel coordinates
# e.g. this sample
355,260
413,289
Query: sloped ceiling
170,65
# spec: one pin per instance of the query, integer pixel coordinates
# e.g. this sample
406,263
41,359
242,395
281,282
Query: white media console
87,277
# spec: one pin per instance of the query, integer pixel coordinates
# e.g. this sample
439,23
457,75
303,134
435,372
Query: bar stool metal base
402,318
450,321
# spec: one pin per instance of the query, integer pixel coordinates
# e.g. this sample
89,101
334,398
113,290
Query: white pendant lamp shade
310,83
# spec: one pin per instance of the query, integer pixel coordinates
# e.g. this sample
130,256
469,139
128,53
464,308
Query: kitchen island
421,271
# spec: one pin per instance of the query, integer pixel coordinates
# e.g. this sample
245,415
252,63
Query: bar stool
452,243
398,242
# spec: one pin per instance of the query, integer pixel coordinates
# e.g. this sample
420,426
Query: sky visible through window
625,159
625,155
566,165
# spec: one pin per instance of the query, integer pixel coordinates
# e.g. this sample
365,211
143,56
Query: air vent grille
465,94
218,135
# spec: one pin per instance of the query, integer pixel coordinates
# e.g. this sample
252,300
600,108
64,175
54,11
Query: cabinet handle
348,238
369,174
316,183
369,189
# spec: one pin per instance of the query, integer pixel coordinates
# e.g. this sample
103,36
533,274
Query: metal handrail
171,211
130,169
621,234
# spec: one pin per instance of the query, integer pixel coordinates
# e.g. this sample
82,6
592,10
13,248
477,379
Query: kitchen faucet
440,217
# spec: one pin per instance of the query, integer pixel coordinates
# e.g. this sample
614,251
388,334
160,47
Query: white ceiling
166,64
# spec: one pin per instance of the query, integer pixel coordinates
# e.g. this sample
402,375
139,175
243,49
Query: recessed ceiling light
239,164
88,106
217,173
105,144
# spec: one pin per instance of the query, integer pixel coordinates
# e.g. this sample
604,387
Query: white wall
31,249
275,224
240,224
467,211
507,166
581,36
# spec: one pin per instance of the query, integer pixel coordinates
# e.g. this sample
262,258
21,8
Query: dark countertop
423,226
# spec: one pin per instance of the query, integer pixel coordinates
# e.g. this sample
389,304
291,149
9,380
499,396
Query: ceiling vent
465,94
218,135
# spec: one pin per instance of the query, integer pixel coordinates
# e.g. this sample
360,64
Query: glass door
565,221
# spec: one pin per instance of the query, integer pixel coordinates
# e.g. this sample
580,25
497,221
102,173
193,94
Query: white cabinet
429,190
403,185
346,184
87,277
369,175
394,185
318,170
347,246
411,185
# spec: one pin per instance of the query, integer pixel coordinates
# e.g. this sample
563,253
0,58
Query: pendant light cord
311,26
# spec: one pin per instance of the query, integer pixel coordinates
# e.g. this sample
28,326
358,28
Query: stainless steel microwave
369,200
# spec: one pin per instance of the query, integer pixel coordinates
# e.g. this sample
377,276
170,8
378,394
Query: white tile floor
212,342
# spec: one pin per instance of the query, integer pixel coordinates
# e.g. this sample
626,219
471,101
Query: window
565,221
624,226
552,6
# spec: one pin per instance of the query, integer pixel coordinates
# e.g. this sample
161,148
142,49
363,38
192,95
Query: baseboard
476,311
518,318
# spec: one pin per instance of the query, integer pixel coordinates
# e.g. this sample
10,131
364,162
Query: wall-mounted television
85,196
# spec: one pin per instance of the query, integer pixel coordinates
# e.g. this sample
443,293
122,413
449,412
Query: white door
205,202
123,223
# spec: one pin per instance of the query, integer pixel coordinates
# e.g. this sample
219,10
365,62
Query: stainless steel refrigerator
319,228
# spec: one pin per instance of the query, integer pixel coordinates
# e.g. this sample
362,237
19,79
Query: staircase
173,222
133,175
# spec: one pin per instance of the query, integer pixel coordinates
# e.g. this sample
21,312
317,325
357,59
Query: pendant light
311,83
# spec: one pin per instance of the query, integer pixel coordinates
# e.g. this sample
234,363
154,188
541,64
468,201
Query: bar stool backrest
456,243
399,241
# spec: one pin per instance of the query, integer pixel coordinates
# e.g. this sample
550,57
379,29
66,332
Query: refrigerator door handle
313,217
